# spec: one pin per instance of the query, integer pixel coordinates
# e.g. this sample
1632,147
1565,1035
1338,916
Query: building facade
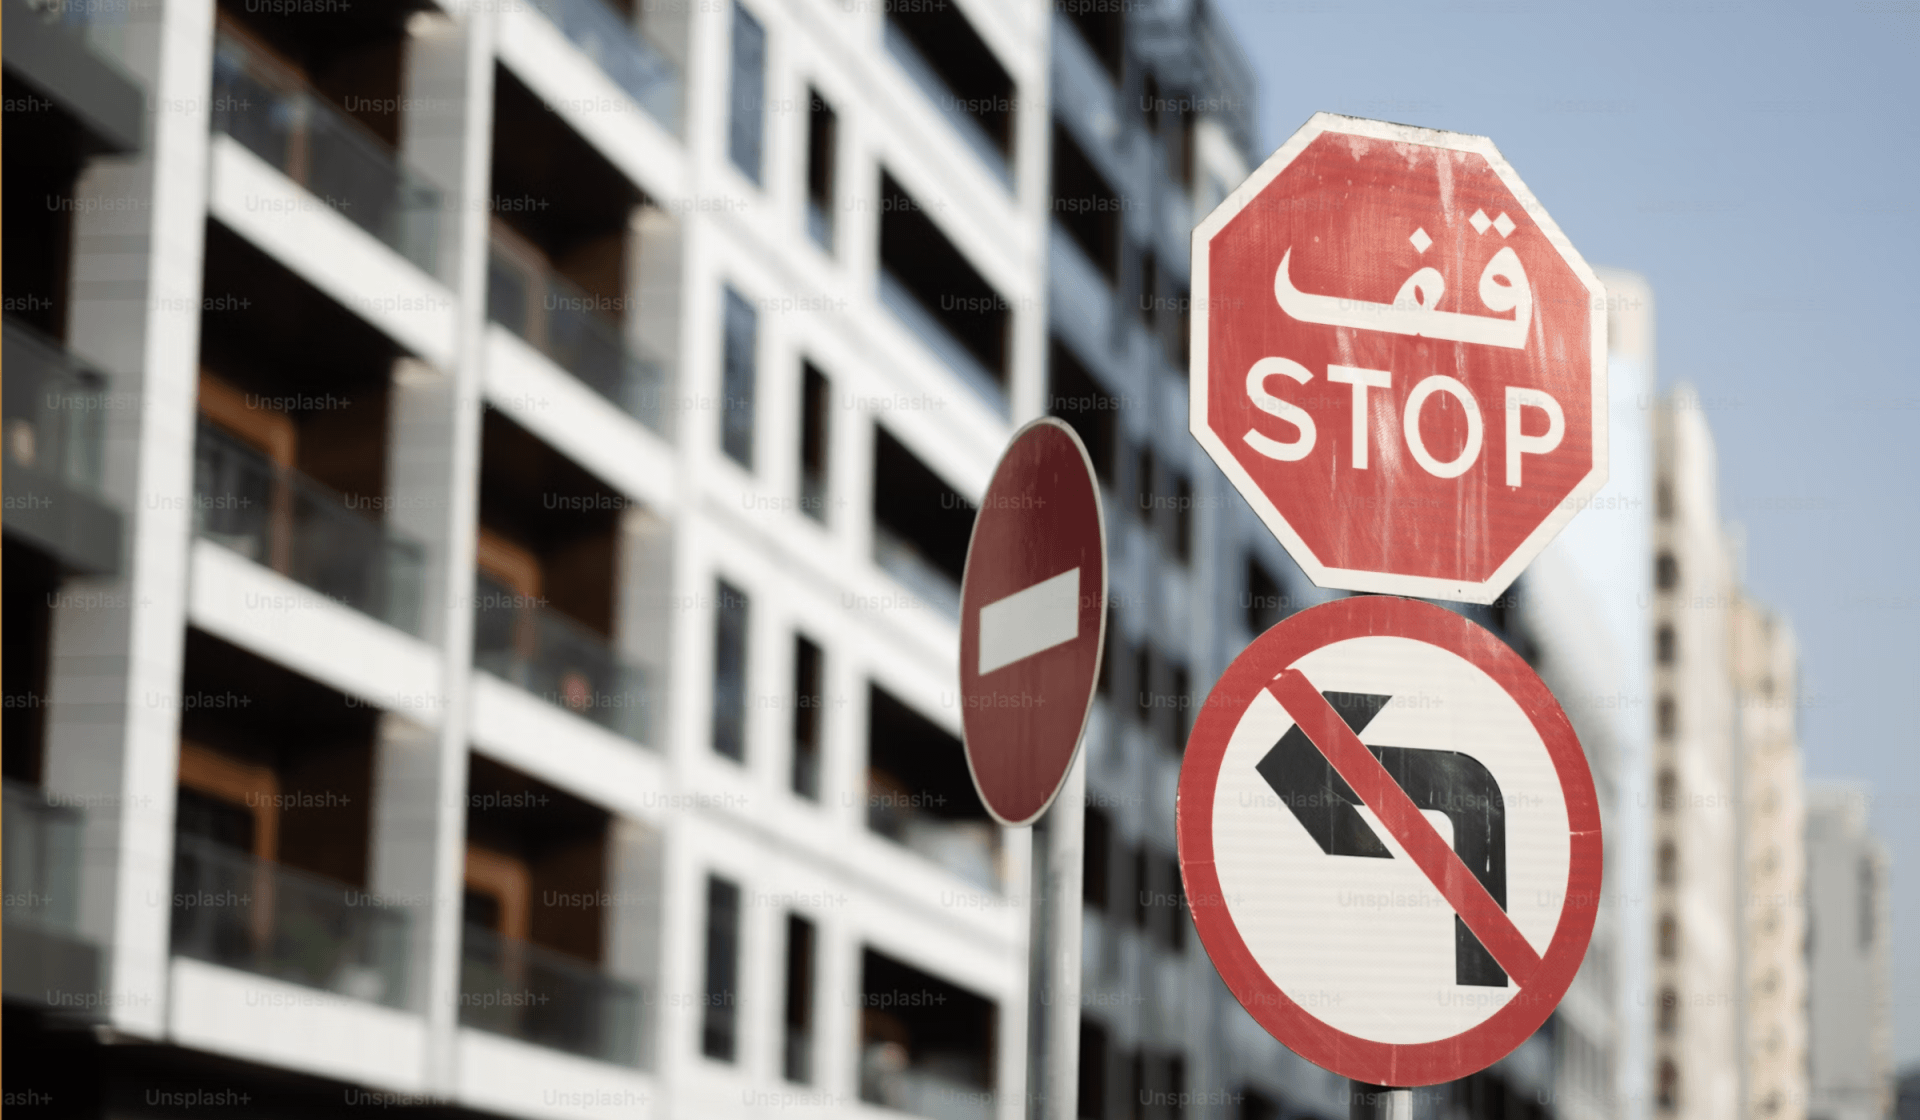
1695,987
1774,903
1849,952
506,471
542,439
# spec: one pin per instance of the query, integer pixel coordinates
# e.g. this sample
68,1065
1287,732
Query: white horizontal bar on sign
1026,622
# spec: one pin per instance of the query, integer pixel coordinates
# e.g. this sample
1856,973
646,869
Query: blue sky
1760,165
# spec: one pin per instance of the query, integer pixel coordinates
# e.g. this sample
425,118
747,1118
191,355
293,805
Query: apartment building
1849,955
1773,864
509,466
1696,983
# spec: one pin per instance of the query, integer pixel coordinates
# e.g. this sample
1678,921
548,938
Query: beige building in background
1850,936
1773,858
1696,983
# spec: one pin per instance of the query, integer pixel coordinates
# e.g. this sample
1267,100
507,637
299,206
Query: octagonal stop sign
1398,359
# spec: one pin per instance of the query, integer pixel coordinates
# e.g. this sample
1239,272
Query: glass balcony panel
898,557
562,322
529,644
534,994
623,53
42,860
56,410
234,910
916,66
299,528
899,299
921,1092
48,960
333,156
963,847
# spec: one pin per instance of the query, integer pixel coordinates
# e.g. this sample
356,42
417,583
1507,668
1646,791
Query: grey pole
1378,1102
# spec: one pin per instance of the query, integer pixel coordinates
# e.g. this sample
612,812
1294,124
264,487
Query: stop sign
1398,359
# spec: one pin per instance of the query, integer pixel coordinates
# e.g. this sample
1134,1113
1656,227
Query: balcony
625,55
920,795
272,113
521,990
559,319
277,517
46,955
898,557
529,644
899,299
56,409
991,88
237,911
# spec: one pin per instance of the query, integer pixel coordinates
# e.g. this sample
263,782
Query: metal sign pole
1377,1102
1053,978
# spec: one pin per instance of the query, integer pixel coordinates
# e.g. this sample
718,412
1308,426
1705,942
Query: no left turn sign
1390,840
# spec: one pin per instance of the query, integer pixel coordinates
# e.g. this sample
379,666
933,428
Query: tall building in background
1773,861
1849,952
1696,987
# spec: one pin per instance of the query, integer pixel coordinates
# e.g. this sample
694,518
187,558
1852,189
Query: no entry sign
1033,612
1390,840
1398,359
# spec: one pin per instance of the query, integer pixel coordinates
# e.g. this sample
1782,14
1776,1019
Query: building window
1669,946
745,123
809,698
1667,1087
816,397
1110,652
1143,683
822,130
797,1053
1663,645
1667,790
1182,529
1143,484
1666,717
1091,411
1095,844
730,672
1663,500
1093,1070
1264,604
1103,28
1086,206
1182,703
1669,863
921,524
718,1021
1666,571
742,327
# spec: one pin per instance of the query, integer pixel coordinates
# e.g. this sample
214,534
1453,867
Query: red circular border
1384,1063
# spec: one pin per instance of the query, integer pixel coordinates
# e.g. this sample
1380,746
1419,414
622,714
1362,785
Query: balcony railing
48,960
277,517
276,117
966,848
928,79
623,53
898,557
547,998
56,410
528,643
917,1091
898,298
234,910
562,322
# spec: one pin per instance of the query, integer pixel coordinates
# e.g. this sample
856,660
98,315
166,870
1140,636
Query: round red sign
1033,615
1390,840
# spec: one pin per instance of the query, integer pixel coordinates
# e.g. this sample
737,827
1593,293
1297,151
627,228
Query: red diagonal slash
1435,858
